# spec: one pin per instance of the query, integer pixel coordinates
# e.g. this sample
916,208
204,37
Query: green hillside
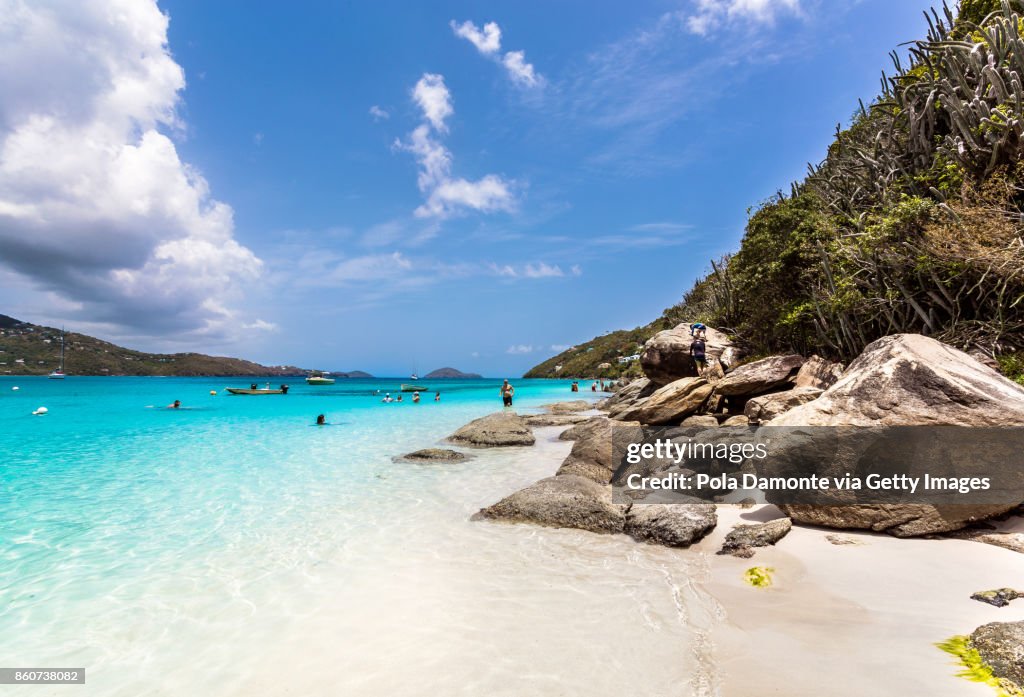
914,222
29,349
586,360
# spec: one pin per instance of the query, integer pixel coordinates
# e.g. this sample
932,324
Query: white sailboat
59,373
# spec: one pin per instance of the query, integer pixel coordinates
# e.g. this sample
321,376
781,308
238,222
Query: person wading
507,391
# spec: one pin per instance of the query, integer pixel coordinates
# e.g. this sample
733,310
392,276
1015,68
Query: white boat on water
59,373
318,377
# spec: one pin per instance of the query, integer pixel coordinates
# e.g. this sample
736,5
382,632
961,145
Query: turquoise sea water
178,551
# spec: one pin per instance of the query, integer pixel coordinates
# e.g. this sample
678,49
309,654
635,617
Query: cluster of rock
899,380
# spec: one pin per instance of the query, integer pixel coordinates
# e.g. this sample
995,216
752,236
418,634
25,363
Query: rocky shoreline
898,381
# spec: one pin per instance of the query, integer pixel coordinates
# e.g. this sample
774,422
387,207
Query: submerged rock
1001,647
743,538
760,376
1001,597
500,429
435,455
563,501
672,525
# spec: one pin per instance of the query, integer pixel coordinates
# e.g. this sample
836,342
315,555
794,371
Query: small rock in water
435,455
1000,597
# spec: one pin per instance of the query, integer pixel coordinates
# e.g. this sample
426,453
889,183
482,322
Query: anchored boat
252,389
318,377
415,388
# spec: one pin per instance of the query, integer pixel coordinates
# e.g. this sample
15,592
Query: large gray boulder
906,380
666,356
818,372
626,404
672,525
563,501
760,376
593,454
1001,647
909,379
500,429
769,406
675,401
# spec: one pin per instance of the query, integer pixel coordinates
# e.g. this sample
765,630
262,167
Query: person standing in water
575,386
507,392
437,396
321,420
415,397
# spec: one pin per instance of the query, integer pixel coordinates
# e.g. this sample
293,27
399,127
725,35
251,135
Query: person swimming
387,397
399,398
175,405
321,420
415,397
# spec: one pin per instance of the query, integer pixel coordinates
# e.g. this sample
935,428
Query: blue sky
394,186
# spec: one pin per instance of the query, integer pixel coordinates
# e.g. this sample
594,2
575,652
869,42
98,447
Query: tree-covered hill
29,349
914,222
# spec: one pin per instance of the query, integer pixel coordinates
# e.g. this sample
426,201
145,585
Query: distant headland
30,349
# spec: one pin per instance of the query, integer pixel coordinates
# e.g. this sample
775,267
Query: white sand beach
472,608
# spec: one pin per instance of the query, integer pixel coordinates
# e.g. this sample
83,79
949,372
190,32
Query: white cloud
710,14
434,99
520,349
659,227
257,139
488,43
95,204
521,72
447,195
575,270
542,270
558,348
378,113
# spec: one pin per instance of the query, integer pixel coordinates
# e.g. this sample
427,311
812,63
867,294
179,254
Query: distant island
30,349
443,373
351,374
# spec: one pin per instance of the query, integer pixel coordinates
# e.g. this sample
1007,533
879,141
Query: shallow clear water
232,547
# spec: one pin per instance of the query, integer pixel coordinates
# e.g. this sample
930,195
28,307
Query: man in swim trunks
507,392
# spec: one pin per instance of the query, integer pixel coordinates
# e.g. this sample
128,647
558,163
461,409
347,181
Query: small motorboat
415,388
319,378
252,389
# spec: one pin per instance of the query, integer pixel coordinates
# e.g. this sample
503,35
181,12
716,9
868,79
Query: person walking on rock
699,355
